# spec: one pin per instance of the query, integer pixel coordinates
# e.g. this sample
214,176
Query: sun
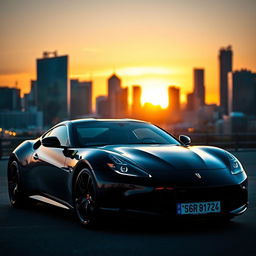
154,97
154,91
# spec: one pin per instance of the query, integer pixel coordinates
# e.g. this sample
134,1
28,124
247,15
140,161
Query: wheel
16,195
84,197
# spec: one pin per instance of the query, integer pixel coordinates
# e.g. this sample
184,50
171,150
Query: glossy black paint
50,170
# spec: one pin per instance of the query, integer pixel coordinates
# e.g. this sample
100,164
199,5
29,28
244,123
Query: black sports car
93,165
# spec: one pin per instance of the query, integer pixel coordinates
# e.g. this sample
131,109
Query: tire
85,198
16,194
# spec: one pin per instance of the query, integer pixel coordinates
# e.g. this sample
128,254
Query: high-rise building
136,100
33,91
81,98
190,101
174,98
9,99
122,103
225,65
21,120
242,87
30,99
114,85
199,88
52,88
102,106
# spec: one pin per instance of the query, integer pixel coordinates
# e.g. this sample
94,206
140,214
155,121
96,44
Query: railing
233,142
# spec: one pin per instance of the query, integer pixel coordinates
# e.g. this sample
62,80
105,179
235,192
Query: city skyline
139,40
160,98
52,97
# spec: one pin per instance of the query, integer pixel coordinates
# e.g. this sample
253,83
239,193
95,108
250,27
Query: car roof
75,121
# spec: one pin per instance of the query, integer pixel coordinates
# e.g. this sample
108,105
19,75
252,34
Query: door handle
35,156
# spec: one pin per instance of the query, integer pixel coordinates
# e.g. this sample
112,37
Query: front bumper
163,200
239,210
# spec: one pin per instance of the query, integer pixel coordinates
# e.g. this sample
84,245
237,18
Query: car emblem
198,175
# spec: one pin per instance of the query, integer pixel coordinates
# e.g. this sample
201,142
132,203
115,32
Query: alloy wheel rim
84,197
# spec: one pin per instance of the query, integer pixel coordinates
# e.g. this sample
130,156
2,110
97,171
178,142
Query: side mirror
185,139
51,142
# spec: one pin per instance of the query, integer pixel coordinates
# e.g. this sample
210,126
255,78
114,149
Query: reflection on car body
94,165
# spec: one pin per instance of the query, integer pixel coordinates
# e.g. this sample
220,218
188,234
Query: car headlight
235,165
124,167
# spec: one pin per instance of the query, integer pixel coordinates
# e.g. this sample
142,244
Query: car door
49,172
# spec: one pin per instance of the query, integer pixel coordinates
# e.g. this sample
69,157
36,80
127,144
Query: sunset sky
153,43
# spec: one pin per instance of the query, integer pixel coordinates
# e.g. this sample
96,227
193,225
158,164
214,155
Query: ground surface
48,230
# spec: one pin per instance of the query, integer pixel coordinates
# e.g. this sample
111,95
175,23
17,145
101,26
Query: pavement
49,230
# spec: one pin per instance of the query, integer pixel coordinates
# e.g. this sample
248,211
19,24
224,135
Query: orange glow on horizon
138,40
154,82
154,91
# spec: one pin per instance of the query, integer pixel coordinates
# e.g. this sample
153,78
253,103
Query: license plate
198,208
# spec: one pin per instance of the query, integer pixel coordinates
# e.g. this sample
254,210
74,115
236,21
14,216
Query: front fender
23,152
220,153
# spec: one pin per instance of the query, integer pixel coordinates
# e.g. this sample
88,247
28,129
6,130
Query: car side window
61,133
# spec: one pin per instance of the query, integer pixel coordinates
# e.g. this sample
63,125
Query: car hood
173,157
178,165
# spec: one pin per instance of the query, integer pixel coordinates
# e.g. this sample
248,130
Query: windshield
101,133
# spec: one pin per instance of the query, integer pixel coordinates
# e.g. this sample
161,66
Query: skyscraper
30,99
174,98
136,100
102,106
53,88
242,87
199,88
122,103
114,85
9,99
190,101
225,64
81,98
